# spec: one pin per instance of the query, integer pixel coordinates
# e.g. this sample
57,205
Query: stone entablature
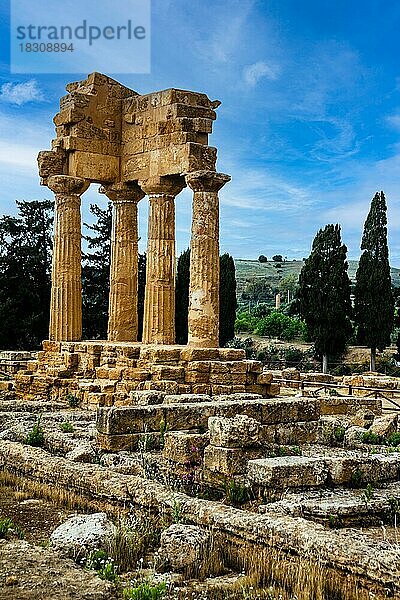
135,145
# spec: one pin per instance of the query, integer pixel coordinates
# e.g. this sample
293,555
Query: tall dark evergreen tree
141,291
227,299
374,304
182,297
96,274
323,294
25,268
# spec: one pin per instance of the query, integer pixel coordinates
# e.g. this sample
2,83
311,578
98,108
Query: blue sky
308,127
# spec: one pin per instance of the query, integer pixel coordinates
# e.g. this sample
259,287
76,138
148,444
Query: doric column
123,300
159,303
66,284
204,259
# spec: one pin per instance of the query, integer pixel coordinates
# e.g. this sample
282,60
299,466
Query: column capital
163,186
206,181
67,185
122,191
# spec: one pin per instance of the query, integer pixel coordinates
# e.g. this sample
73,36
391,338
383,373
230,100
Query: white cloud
253,73
21,93
393,121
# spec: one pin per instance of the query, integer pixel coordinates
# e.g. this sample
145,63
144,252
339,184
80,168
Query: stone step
119,427
319,468
341,507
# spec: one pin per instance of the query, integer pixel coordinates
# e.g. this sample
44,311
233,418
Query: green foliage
374,304
246,344
177,516
73,401
369,437
182,297
356,478
323,296
99,561
146,591
245,321
36,436
25,267
141,292
368,493
227,299
394,439
66,427
277,258
262,258
235,493
281,326
9,529
338,434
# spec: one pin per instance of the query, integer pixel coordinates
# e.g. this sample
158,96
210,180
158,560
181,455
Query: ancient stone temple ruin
136,145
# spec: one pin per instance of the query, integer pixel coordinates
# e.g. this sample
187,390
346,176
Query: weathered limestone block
161,372
228,461
318,377
385,426
288,472
183,398
183,546
239,432
265,377
293,375
199,354
183,446
82,534
148,397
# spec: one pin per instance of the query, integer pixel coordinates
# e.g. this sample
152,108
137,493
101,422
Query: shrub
369,437
9,528
262,258
105,567
36,436
73,401
66,427
394,439
246,345
338,434
235,493
279,325
146,591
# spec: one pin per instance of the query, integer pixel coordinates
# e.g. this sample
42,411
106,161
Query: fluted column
159,302
123,299
203,318
66,284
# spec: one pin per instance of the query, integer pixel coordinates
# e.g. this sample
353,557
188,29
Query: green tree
323,295
141,292
96,274
374,304
182,297
25,267
227,299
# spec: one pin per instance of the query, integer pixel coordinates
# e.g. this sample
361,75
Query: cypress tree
25,268
323,295
374,304
141,292
227,299
182,297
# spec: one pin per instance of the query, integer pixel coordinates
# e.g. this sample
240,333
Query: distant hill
248,270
